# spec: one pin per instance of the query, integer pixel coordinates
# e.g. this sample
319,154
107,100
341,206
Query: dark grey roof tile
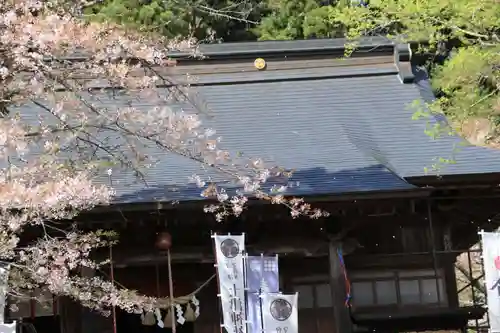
341,133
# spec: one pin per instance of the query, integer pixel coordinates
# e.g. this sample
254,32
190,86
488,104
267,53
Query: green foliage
228,20
468,81
297,19
152,16
317,23
286,19
202,19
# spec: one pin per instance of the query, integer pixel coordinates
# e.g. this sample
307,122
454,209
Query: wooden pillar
78,319
70,314
342,320
91,321
87,317
450,278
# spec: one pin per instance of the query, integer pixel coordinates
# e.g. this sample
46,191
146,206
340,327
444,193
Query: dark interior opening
45,324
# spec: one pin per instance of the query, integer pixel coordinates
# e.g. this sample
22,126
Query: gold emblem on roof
259,63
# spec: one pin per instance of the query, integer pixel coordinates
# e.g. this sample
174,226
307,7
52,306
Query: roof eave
457,180
166,205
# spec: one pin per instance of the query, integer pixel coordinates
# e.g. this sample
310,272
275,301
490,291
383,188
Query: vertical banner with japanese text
4,287
491,261
229,252
279,312
262,276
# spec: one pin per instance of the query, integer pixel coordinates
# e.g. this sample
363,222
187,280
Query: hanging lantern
163,241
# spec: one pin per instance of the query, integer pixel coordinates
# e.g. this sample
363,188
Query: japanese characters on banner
229,251
4,285
262,276
491,261
8,328
280,313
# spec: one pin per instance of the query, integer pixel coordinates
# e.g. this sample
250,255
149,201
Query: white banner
4,286
229,252
262,276
491,261
280,313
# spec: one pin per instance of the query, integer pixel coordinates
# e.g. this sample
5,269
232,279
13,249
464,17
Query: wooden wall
392,234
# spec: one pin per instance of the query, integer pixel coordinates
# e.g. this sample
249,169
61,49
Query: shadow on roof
313,181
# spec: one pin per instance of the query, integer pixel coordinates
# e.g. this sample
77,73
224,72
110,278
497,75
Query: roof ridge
334,46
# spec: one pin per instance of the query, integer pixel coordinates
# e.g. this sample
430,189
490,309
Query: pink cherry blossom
49,165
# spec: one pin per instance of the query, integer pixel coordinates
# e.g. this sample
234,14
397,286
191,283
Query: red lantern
163,241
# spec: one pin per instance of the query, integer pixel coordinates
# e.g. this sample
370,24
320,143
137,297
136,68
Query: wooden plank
342,320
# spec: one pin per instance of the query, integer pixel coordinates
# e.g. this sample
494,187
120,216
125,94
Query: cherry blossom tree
52,60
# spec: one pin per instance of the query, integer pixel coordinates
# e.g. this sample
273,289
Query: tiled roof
342,128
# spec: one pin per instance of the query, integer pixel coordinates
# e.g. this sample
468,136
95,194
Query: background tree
462,40
209,21
286,20
205,20
297,19
51,159
461,36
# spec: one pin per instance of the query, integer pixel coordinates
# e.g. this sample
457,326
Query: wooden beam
134,256
325,199
341,318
